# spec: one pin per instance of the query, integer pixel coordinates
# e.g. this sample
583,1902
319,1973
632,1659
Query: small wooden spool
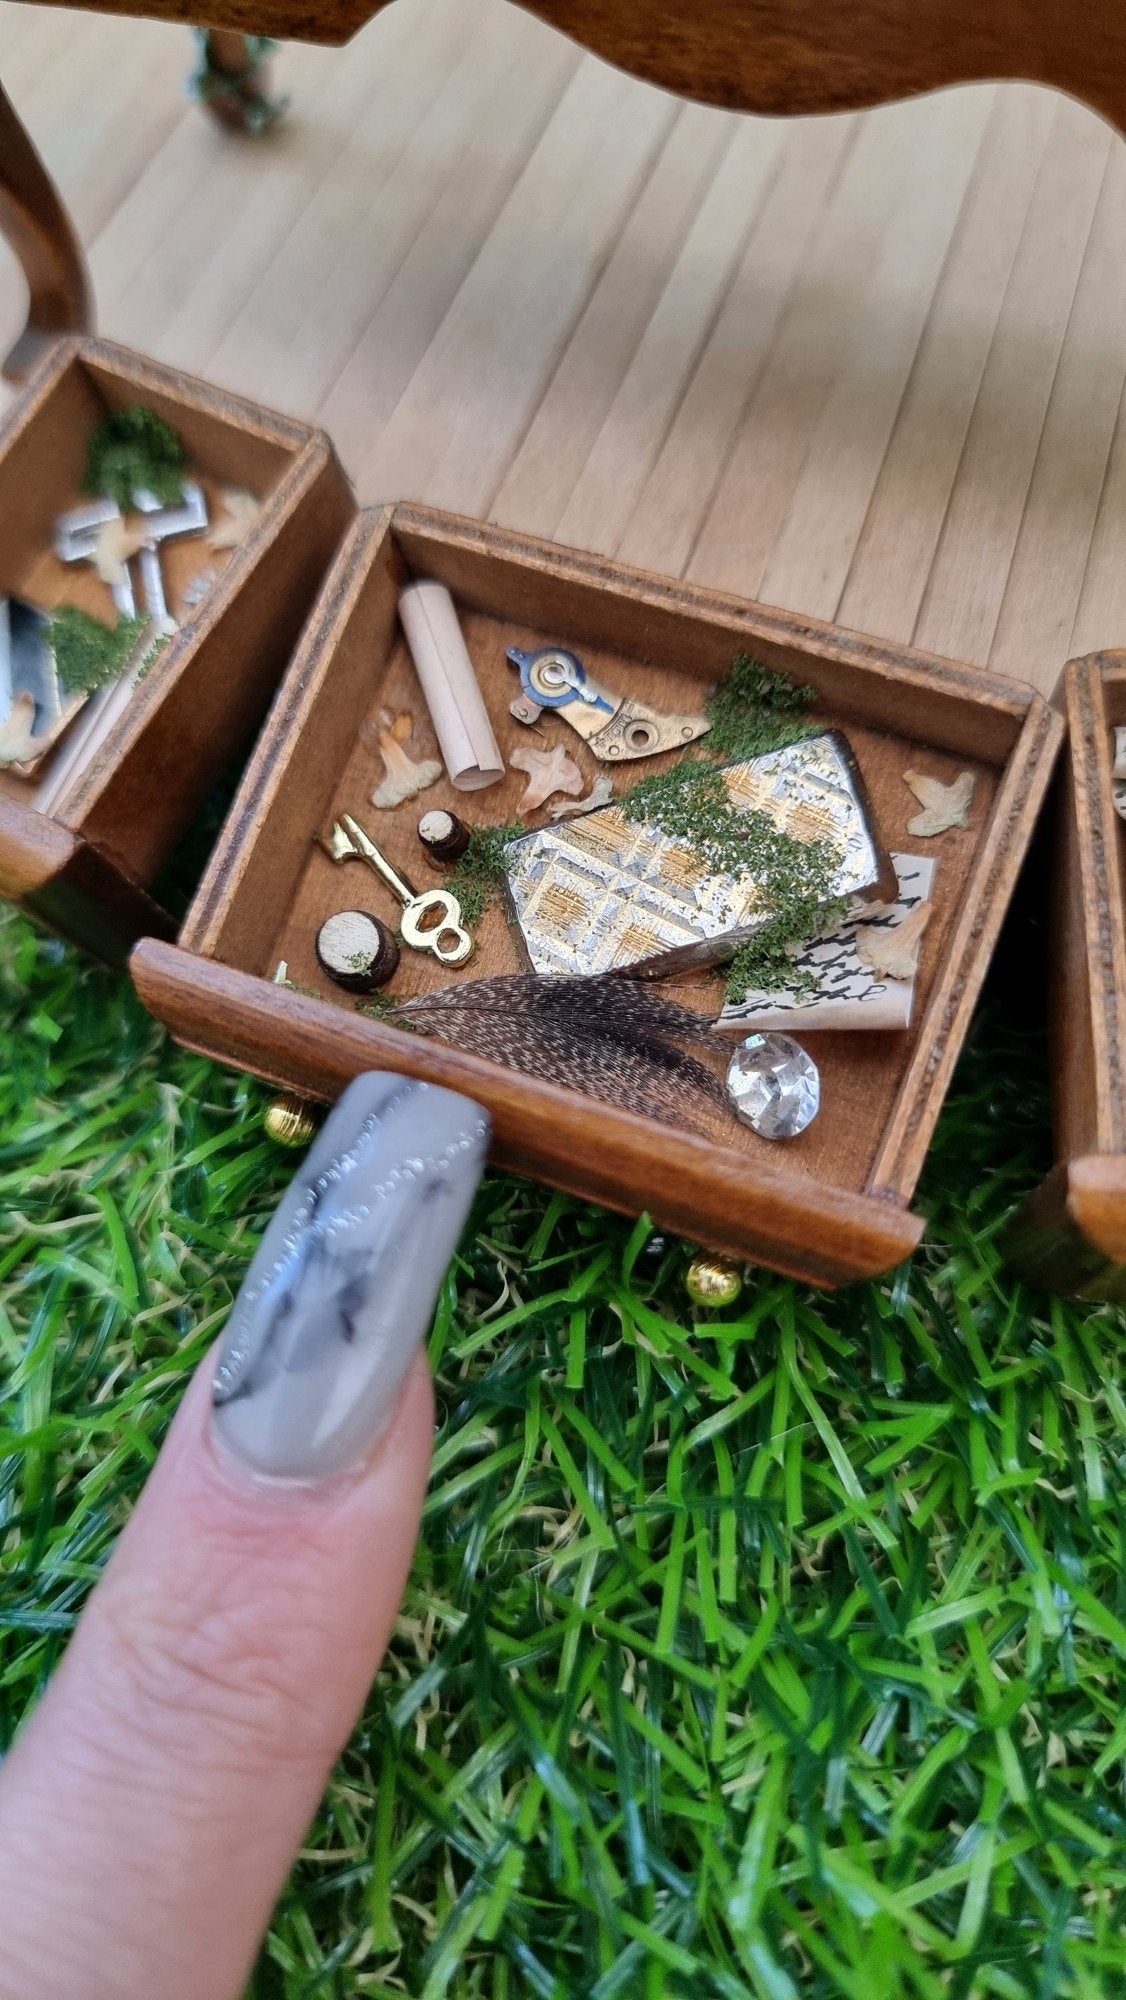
444,836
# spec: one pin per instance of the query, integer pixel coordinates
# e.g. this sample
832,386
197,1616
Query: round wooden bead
444,836
357,950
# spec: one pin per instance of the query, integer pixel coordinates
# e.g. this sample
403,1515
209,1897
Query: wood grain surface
776,56
868,366
71,887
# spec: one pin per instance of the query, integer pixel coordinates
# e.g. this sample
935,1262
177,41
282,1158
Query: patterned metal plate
600,891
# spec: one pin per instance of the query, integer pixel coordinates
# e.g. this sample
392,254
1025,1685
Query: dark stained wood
269,887
37,226
211,685
776,56
777,1216
230,52
1071,1234
70,888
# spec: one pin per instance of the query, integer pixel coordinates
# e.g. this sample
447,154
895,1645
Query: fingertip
214,1678
342,1288
398,1458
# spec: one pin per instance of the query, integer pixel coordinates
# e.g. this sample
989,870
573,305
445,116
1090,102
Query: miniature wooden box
1071,1233
828,1206
83,867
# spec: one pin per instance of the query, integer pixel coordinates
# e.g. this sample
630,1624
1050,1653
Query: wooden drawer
84,867
829,1206
1071,1233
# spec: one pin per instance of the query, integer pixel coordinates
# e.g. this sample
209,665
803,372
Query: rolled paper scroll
445,670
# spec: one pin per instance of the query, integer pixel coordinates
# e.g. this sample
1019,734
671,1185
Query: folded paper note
602,892
838,986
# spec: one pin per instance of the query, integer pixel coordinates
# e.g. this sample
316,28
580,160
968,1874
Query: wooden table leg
233,82
40,232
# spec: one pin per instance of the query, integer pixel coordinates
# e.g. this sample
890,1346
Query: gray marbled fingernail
342,1288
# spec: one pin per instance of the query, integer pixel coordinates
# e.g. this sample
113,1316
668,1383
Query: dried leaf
600,794
116,541
548,771
892,950
240,512
403,778
943,806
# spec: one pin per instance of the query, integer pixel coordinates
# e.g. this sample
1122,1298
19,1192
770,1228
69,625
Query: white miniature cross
163,524
76,540
76,537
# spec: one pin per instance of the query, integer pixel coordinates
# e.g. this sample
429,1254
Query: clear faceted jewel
774,1085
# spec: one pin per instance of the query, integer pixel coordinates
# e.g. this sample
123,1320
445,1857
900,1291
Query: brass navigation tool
431,921
614,727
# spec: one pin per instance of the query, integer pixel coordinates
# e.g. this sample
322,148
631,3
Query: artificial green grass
778,1654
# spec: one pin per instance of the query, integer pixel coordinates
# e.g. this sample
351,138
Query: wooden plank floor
869,367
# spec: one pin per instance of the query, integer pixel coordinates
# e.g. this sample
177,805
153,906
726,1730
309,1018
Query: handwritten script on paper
848,992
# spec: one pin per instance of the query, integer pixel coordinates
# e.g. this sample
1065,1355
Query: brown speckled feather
606,1037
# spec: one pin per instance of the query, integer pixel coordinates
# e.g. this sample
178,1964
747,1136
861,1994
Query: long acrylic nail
342,1288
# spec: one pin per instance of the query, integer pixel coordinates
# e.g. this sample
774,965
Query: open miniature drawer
82,865
1070,1234
830,1205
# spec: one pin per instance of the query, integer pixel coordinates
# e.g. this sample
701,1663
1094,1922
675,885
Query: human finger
151,1810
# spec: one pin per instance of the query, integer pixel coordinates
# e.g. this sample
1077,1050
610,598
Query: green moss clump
764,964
690,803
753,711
152,653
482,869
135,448
380,1007
88,654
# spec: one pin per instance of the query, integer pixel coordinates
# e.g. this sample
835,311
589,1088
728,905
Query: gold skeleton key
349,842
